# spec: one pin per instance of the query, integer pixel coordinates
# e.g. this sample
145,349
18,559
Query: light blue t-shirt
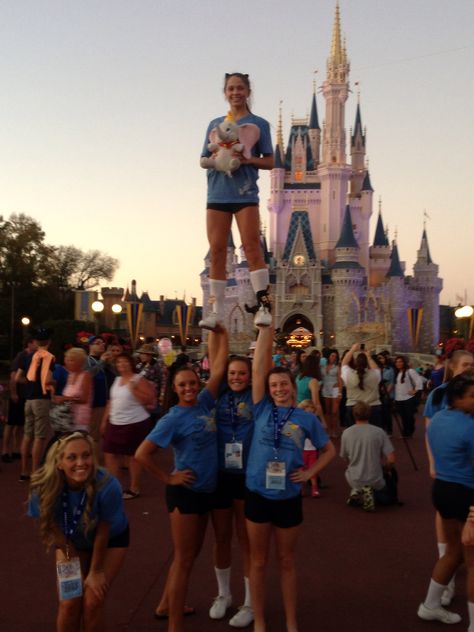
451,439
191,431
242,186
243,425
430,407
107,507
300,425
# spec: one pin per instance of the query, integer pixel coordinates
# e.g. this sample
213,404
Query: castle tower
333,171
314,131
348,278
357,155
397,303
427,283
379,254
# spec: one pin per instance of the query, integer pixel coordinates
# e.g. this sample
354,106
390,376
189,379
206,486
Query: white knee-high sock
433,596
223,581
248,600
217,291
259,279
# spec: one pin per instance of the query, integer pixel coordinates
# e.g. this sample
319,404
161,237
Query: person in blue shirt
234,418
190,428
238,194
459,362
451,440
273,503
80,512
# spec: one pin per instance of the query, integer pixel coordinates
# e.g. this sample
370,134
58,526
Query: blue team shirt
300,425
451,439
191,431
107,506
430,408
242,186
243,424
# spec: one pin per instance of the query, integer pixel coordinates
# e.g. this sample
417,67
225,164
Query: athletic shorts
280,513
232,207
230,487
119,541
186,501
452,500
37,423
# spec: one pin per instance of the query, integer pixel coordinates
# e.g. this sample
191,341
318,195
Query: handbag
61,417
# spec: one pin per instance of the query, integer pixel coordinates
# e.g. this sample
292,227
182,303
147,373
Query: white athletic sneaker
437,614
209,322
219,607
242,618
263,317
447,596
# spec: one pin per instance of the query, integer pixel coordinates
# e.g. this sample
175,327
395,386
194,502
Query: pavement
356,571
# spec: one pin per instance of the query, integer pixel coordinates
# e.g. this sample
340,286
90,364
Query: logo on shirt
293,432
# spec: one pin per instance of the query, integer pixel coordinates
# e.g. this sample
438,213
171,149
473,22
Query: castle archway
298,331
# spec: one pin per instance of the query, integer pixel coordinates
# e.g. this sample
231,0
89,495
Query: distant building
327,276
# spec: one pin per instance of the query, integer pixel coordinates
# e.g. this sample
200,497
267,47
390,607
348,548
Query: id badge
69,578
276,475
233,456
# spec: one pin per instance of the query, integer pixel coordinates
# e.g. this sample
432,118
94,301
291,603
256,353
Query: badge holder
275,475
233,455
69,577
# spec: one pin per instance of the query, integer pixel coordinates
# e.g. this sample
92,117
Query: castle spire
380,238
313,118
347,238
395,269
337,50
280,131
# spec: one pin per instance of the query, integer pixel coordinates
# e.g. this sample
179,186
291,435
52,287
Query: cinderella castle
328,279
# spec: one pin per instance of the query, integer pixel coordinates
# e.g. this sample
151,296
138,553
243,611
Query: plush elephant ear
213,137
248,136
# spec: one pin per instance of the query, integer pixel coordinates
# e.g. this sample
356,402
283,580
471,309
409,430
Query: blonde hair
48,483
307,403
77,352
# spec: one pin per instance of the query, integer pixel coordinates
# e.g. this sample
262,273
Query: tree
80,270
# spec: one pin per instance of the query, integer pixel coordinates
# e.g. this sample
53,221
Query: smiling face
236,92
77,462
281,389
238,376
186,387
464,363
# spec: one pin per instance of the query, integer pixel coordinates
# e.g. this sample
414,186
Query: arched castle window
236,320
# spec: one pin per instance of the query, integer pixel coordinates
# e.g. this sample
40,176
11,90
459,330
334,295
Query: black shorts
452,500
16,413
119,541
186,501
232,207
281,513
230,487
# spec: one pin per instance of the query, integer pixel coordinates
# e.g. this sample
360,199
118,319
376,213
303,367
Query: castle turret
314,132
397,303
427,283
357,155
347,276
379,253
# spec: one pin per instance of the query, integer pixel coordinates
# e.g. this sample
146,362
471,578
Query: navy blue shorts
230,207
186,501
280,513
452,500
230,487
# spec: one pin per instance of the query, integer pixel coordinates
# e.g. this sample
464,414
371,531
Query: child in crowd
310,454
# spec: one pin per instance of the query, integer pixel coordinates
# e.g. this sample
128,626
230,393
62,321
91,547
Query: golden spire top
337,51
280,130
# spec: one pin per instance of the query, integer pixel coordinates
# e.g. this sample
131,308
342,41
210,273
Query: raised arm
262,362
348,357
219,343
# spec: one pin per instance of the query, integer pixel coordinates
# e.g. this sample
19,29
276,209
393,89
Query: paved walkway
356,571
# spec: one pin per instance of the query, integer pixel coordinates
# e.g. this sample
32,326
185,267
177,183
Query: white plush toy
227,139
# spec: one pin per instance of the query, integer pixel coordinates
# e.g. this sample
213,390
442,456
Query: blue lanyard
278,425
76,514
234,420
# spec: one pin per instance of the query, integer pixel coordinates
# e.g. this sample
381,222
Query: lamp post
465,314
97,307
117,310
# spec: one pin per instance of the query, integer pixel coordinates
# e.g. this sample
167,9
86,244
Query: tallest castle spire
337,52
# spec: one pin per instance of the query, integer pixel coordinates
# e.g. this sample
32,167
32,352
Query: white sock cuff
259,279
441,548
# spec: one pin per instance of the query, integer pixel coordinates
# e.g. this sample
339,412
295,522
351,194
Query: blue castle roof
299,219
380,238
313,118
347,238
395,269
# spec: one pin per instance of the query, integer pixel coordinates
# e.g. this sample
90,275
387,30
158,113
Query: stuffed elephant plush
228,139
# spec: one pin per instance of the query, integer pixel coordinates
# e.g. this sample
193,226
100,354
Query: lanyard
233,414
76,514
278,426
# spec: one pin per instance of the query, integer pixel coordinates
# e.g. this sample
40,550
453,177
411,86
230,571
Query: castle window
298,176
